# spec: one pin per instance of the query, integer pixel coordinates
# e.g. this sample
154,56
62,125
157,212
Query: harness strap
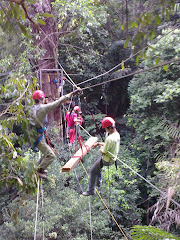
39,130
37,141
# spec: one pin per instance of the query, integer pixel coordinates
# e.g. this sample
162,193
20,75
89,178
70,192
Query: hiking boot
40,170
42,175
88,193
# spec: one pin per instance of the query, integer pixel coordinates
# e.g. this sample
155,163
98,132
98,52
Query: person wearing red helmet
109,151
78,120
73,119
38,121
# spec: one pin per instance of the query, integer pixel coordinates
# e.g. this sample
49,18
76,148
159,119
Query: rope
131,74
118,65
42,194
36,211
137,175
111,215
152,185
86,131
75,171
105,204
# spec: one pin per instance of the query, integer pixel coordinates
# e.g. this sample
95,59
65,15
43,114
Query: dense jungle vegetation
125,56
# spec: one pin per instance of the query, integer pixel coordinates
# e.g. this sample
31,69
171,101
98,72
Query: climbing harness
41,132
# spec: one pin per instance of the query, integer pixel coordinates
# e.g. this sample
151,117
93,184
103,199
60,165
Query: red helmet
38,94
107,122
77,108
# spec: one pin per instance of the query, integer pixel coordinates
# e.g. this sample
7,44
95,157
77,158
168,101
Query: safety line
105,204
111,215
102,199
145,180
72,82
134,73
140,177
42,194
89,199
86,131
118,65
36,211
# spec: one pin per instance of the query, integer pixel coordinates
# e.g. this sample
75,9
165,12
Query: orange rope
106,205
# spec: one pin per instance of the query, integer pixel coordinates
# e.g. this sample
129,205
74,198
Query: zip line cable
152,185
118,65
110,69
140,71
134,73
72,82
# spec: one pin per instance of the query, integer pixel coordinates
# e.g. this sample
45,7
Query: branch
5,111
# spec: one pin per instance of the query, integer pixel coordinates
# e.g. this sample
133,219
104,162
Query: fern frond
172,130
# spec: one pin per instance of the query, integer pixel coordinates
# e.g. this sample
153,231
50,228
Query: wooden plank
79,154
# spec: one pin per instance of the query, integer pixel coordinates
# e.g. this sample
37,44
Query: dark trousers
95,174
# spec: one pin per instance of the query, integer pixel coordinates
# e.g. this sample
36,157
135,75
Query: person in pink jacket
73,119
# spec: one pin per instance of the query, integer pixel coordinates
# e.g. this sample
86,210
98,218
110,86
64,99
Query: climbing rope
152,185
37,204
105,204
134,73
35,230
137,175
82,191
131,56
42,197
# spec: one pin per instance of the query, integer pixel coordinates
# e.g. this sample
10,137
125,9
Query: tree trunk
48,42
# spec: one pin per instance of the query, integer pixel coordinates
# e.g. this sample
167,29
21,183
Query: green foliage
16,13
66,213
149,232
154,100
15,133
